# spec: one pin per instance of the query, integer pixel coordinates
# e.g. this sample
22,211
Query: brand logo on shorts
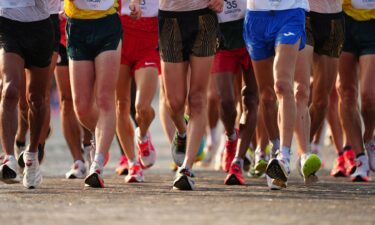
289,34
150,64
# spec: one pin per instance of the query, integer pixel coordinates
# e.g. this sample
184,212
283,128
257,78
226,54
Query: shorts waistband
105,19
173,14
327,16
273,12
26,24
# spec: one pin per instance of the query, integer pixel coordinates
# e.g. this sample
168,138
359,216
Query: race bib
363,4
233,10
10,4
149,7
99,5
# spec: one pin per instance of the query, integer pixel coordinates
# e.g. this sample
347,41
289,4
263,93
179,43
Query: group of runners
249,63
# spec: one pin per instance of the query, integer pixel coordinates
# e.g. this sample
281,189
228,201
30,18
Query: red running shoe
123,167
350,163
146,152
234,176
229,152
339,169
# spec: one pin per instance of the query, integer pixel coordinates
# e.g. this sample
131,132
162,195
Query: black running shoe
183,180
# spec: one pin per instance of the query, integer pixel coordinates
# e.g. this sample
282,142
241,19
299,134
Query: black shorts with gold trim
325,32
186,33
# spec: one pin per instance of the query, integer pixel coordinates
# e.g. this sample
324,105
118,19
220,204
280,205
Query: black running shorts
359,36
33,41
325,32
182,34
56,28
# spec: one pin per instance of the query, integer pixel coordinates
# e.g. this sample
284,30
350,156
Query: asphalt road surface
61,201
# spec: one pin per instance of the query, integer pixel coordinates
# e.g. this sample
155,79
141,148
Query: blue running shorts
264,30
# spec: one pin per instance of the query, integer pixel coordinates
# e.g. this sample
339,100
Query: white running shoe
370,148
273,185
32,176
8,170
279,169
94,179
146,151
78,170
362,172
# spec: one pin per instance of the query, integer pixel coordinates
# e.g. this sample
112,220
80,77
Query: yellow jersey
356,13
90,9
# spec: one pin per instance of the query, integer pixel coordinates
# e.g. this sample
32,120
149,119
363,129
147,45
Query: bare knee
10,95
368,100
36,101
197,103
348,95
302,94
105,102
143,110
250,97
175,103
82,107
268,98
283,89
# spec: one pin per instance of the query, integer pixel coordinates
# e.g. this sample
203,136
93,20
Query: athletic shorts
56,28
264,30
62,59
139,49
33,41
231,61
359,36
325,32
87,38
182,34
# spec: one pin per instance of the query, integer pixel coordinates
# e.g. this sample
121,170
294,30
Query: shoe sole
9,176
261,166
275,171
94,181
339,174
352,170
133,180
360,179
232,180
123,172
182,184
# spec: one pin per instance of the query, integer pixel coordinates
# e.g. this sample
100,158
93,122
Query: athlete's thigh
175,80
146,80
367,74
82,80
11,68
303,66
348,72
200,72
107,68
285,62
37,81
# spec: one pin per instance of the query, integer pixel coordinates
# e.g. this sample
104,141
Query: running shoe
183,181
229,152
260,161
274,185
279,169
94,179
77,171
8,171
135,174
339,169
178,149
21,162
32,176
307,165
123,167
146,151
234,176
92,153
350,163
370,148
362,172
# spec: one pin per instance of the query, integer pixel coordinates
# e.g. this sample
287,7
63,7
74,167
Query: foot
362,171
279,169
77,171
94,179
260,161
229,152
274,185
178,149
146,151
339,169
370,148
135,174
349,156
21,162
234,176
32,176
308,165
8,170
123,167
183,181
